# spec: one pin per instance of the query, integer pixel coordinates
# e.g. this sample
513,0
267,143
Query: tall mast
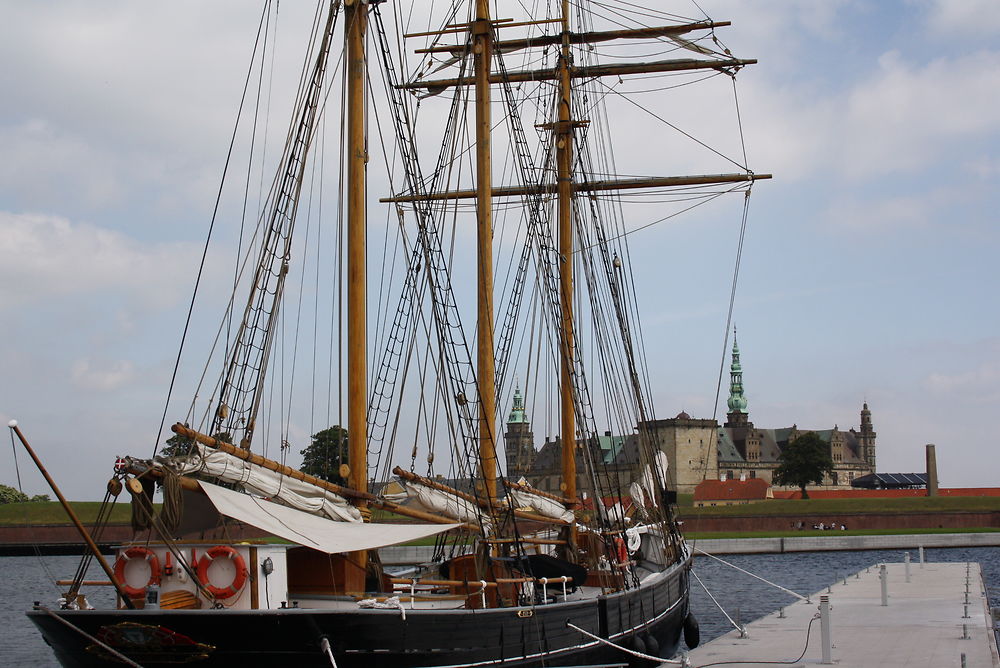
564,189
356,17
482,49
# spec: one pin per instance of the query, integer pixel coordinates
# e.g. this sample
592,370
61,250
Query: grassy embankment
828,507
47,513
40,513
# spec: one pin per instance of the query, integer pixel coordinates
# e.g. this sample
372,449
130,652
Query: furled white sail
438,501
654,477
542,505
303,496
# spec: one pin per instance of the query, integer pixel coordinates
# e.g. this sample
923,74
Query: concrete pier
926,622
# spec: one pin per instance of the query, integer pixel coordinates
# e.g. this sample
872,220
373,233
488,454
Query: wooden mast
564,173
356,18
482,48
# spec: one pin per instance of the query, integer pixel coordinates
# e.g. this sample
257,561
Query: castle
698,449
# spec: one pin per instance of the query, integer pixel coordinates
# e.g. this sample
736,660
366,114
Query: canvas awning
310,530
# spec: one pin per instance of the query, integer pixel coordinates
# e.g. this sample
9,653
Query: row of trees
10,495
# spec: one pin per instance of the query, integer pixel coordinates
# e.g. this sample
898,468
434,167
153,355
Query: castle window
753,474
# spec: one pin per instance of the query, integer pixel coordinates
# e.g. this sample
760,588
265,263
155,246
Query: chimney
932,479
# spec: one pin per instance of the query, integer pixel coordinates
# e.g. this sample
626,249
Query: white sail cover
543,505
438,501
311,531
259,480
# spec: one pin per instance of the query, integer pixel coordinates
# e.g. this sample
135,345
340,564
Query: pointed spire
517,415
737,402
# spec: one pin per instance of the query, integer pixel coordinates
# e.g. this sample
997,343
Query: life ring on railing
239,579
621,550
134,553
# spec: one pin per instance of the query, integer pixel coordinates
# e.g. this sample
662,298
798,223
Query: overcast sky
868,270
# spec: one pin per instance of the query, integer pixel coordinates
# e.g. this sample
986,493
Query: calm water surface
24,580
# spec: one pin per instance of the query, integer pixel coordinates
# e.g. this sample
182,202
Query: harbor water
24,580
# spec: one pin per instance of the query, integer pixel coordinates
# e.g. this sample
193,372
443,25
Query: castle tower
519,442
737,415
866,438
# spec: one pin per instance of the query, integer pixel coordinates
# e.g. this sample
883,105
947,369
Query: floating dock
939,615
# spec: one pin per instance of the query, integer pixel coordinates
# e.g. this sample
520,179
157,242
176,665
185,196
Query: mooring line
778,586
640,655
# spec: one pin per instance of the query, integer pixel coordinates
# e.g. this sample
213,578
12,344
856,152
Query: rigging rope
208,239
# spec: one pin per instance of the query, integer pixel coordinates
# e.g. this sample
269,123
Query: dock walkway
922,625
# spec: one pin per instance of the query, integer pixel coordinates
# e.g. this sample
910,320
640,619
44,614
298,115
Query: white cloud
978,385
47,257
44,163
102,375
902,116
962,18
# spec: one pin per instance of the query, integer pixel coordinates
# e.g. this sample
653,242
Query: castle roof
752,489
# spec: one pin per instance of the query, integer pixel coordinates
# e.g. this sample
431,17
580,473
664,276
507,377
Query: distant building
746,450
731,492
697,449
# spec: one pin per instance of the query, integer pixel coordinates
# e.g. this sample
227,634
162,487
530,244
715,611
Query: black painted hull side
649,618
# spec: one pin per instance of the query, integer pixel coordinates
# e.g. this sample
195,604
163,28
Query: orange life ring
134,553
622,550
239,579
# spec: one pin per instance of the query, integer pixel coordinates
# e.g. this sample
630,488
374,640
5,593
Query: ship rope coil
128,555
239,578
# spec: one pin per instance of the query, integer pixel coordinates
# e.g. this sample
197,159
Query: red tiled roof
884,493
731,490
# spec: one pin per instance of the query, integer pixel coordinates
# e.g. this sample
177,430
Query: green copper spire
737,402
517,415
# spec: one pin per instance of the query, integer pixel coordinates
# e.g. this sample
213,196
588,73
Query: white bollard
885,584
824,625
906,560
921,550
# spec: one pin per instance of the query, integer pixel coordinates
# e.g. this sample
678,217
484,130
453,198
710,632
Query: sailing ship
523,576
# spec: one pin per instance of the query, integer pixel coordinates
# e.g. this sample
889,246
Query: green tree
325,454
10,495
40,497
178,445
804,461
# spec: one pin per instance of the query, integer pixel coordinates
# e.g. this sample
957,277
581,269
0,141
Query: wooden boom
587,186
592,37
588,72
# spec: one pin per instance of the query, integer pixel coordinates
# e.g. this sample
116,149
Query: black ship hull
647,619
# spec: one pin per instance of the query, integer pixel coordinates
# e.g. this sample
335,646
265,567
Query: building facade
697,449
